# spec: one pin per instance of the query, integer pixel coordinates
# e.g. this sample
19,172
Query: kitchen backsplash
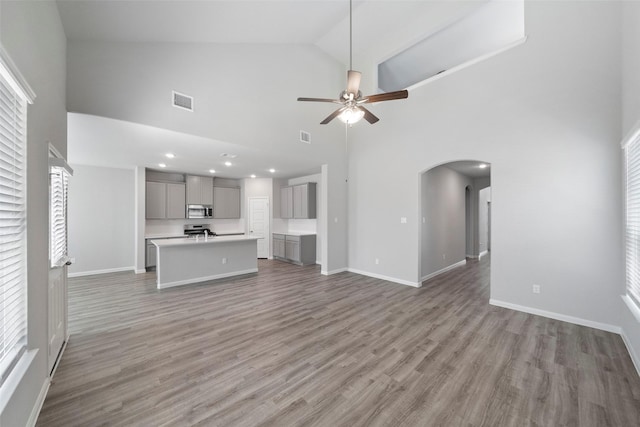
220,226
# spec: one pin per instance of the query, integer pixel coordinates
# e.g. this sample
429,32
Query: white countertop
295,233
200,241
177,236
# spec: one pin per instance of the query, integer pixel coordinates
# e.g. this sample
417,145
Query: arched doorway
454,200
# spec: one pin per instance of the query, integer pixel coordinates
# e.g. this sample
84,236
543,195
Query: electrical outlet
335,220
224,260
403,220
424,220
444,256
536,289
377,261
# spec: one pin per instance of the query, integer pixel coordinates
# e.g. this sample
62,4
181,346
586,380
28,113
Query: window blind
632,184
13,309
58,227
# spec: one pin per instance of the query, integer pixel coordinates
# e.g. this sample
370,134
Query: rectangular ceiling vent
180,100
305,137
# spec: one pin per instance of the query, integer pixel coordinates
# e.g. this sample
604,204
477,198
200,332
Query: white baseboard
471,256
444,270
483,253
558,316
206,279
336,271
141,271
107,270
634,356
387,278
37,407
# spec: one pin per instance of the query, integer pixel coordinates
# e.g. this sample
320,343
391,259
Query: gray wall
32,34
484,196
631,121
101,219
444,211
544,129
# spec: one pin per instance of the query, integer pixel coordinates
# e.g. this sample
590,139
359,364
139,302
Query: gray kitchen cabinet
298,249
151,255
226,202
278,245
156,200
298,201
176,201
304,200
164,200
199,190
286,202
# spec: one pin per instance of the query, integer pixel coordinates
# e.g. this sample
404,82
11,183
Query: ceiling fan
351,99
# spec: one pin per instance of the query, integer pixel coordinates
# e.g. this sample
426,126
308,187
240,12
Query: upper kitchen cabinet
298,201
286,202
165,200
304,200
199,190
226,202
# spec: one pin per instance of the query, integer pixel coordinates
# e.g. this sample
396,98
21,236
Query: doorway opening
455,201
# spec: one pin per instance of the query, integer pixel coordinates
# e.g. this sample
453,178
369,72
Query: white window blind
632,180
13,304
58,214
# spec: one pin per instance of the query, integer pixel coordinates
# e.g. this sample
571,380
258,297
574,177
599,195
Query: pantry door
259,223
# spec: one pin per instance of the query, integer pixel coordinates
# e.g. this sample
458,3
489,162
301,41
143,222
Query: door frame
268,221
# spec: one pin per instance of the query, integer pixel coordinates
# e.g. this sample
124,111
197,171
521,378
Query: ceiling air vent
183,101
305,137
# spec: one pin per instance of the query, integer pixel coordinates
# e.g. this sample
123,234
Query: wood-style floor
289,347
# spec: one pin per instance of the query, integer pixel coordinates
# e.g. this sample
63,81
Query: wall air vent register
180,100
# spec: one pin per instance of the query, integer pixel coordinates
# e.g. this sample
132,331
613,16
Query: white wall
101,220
630,122
546,115
443,235
32,34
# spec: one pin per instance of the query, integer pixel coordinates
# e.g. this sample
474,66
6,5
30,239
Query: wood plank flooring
289,347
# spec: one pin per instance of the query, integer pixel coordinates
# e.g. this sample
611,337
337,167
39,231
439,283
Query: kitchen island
191,260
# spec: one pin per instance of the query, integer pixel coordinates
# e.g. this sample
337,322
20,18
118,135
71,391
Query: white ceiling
381,28
471,168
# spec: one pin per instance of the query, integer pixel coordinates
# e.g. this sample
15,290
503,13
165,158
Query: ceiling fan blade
368,115
332,116
400,94
319,100
353,82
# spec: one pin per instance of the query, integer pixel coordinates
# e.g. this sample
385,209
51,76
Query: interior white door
259,225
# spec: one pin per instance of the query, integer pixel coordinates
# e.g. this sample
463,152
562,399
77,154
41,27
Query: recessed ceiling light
162,165
231,156
272,170
227,163
253,176
170,155
482,166
212,171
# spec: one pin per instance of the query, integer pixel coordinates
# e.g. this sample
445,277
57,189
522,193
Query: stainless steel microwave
199,211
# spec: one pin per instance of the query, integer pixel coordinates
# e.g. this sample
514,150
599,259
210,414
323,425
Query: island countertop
200,241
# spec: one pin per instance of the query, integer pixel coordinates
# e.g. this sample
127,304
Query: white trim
483,253
336,271
207,278
64,347
634,356
471,256
141,271
467,64
557,316
15,377
387,278
37,407
631,305
106,270
13,76
444,270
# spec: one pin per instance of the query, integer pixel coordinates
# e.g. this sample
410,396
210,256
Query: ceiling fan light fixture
351,115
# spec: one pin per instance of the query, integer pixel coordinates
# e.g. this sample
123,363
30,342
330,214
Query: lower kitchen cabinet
151,255
298,249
